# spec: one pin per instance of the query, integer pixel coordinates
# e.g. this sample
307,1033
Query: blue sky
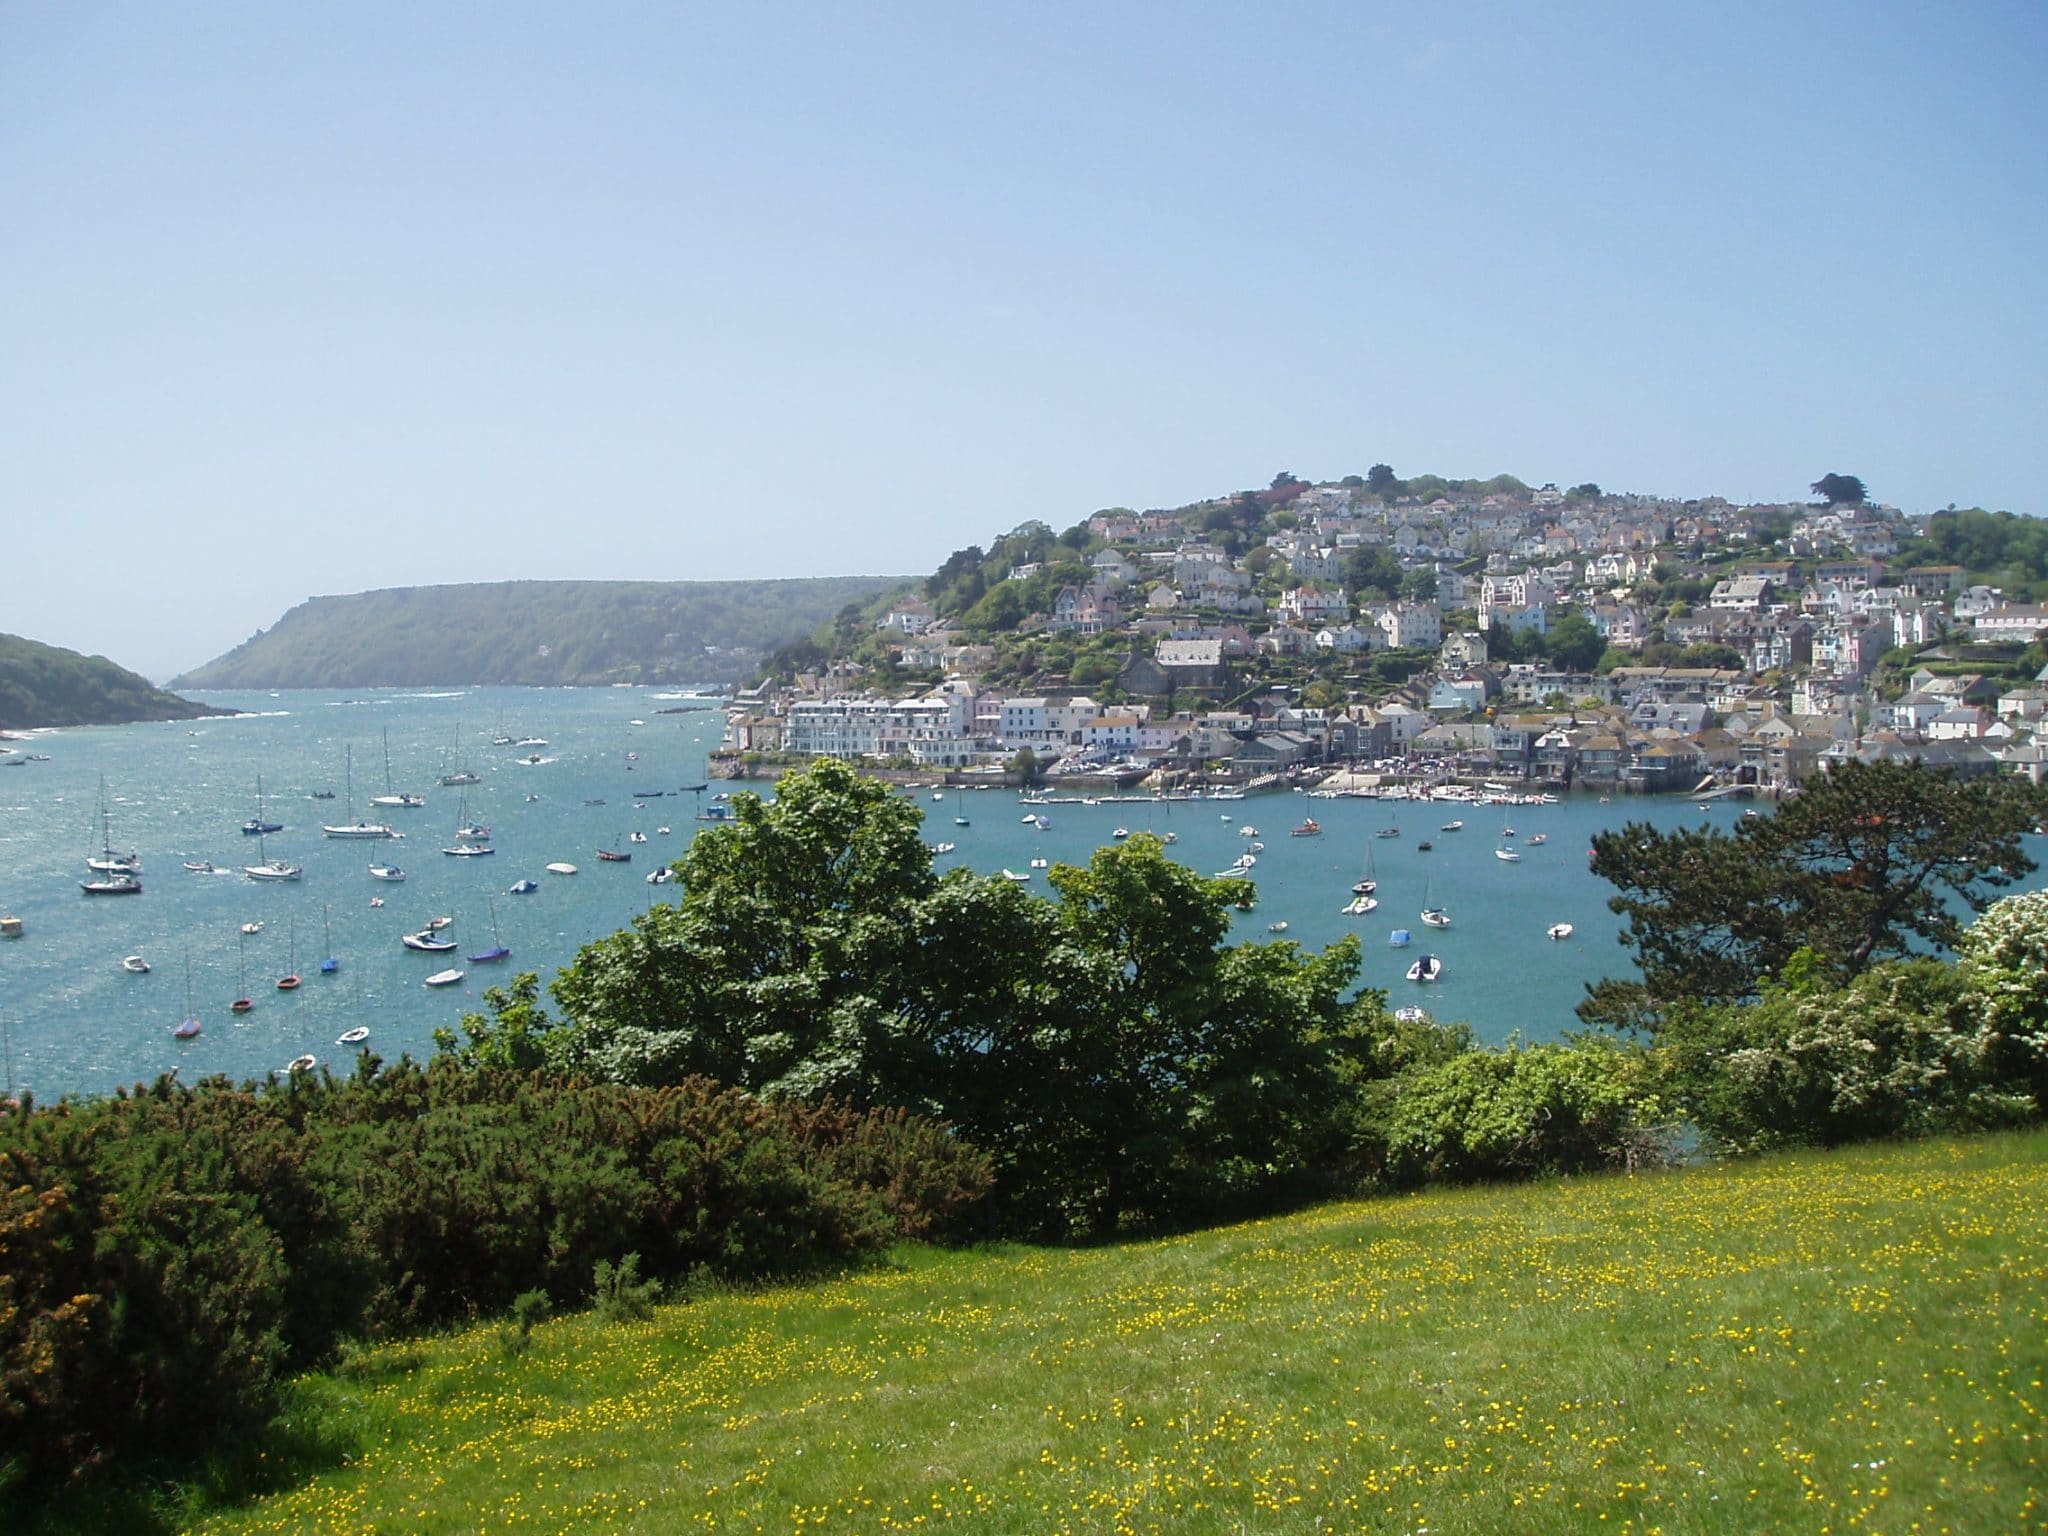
310,299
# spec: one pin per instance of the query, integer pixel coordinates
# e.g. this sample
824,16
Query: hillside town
1502,633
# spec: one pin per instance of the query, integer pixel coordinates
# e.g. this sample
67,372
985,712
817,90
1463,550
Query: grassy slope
1853,1342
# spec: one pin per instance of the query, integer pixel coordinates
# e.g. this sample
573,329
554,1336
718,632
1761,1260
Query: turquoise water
75,1021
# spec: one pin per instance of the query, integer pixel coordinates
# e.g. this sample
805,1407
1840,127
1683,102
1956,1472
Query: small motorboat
1247,830
10,926
1436,917
1559,930
1041,863
1412,1015
354,1036
1279,927
1508,855
135,965
562,869
1452,826
199,866
1424,846
614,856
1121,833
252,928
636,837
661,831
1358,906
469,850
426,941
1426,968
1539,839
376,901
525,887
300,1064
386,872
665,875
1018,875
958,821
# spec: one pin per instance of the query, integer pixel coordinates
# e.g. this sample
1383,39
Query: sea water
73,1020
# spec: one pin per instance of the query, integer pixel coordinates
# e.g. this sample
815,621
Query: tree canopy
48,685
1837,490
1868,862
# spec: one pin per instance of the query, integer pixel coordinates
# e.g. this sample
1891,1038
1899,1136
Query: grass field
1843,1343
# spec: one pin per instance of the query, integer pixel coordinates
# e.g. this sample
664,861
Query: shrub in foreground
166,1255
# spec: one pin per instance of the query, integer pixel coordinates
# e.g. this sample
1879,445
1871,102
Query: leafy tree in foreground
1868,862
789,924
1119,1059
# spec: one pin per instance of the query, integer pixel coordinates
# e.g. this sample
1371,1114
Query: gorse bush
619,1295
166,1255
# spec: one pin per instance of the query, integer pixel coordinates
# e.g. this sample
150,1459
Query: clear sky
302,299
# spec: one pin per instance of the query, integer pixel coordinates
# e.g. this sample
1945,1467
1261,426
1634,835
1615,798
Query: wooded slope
539,633
48,685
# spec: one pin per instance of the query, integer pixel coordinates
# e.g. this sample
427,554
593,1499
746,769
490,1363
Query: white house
1313,605
1410,626
1349,638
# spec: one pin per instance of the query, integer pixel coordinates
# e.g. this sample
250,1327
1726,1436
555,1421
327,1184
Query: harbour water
75,1021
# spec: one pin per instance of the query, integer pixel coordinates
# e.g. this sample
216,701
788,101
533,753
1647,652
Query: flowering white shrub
2005,963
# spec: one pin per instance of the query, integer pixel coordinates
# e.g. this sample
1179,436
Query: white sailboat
112,873
1433,915
394,798
352,827
1505,851
267,868
471,840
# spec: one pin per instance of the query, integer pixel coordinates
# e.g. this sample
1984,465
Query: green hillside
48,685
1841,1342
539,633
